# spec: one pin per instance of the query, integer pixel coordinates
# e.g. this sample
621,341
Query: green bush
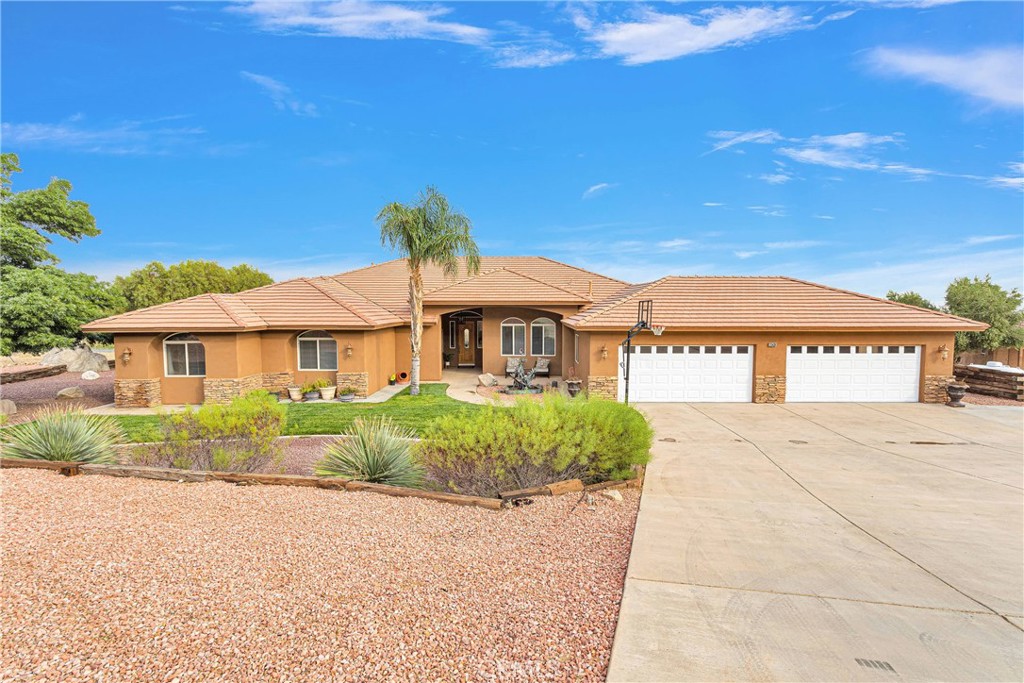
240,437
535,443
375,450
65,435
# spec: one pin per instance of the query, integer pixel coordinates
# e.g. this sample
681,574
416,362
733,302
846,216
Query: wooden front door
466,339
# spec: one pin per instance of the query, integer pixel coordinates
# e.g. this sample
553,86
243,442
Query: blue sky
867,146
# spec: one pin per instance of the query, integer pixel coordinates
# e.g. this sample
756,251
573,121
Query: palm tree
427,232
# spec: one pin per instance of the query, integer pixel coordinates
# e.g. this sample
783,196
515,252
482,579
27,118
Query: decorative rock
85,359
612,494
71,392
90,375
56,356
487,380
7,407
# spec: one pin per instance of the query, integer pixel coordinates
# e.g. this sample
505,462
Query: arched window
542,337
317,351
513,337
184,356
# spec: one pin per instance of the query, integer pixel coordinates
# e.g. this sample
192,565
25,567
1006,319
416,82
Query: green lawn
414,412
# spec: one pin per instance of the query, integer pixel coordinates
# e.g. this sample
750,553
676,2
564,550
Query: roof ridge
611,301
227,310
148,308
372,265
338,301
466,279
359,295
879,299
584,270
548,284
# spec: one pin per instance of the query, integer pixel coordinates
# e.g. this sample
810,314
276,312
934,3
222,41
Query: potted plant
448,359
393,380
311,390
327,392
295,393
346,394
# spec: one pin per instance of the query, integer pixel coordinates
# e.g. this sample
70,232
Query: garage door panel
850,373
690,373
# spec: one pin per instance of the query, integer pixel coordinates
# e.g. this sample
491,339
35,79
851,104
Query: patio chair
542,368
513,364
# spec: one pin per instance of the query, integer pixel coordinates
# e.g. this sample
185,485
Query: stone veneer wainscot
137,393
935,388
360,381
770,389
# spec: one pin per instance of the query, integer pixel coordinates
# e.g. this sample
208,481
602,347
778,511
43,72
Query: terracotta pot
403,377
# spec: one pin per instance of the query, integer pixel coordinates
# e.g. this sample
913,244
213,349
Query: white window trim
182,342
451,333
298,352
513,323
542,323
576,346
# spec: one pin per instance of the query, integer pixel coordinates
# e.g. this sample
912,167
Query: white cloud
775,178
713,204
987,239
595,190
652,36
795,244
992,75
730,138
747,254
675,244
361,19
122,138
1014,181
775,211
281,95
524,57
824,217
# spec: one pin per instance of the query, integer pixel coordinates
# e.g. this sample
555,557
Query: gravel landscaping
984,400
125,579
34,394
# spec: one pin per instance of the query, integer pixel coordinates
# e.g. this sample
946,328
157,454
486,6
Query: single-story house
742,339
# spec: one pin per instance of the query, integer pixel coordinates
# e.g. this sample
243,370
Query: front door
466,335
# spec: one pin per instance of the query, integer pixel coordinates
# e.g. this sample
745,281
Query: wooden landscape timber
991,382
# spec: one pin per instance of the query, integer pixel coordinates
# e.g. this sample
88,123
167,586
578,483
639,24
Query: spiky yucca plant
64,435
375,450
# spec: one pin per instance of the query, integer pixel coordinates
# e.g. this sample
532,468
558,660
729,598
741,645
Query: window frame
576,346
542,323
184,339
451,333
328,338
513,323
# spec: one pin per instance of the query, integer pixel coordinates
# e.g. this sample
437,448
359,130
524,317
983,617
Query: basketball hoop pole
643,322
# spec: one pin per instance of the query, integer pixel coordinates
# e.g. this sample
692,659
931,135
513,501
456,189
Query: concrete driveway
827,542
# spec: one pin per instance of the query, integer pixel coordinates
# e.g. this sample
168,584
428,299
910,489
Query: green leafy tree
155,283
45,307
427,232
29,217
911,298
986,302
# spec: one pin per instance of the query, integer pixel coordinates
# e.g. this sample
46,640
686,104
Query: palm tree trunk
416,333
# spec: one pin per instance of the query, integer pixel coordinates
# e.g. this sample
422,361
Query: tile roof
739,303
500,286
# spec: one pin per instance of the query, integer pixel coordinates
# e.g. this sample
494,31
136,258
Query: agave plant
65,435
375,450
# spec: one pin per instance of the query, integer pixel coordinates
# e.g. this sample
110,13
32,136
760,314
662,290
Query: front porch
464,385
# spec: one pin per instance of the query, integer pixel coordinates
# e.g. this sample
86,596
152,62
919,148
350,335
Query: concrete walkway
823,542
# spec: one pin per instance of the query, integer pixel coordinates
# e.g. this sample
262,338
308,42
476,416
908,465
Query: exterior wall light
604,352
126,355
348,350
944,352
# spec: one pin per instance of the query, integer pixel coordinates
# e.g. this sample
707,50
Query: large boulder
57,356
7,407
487,380
70,392
86,359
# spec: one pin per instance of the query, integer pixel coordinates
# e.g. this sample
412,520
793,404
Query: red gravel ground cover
34,394
115,579
983,400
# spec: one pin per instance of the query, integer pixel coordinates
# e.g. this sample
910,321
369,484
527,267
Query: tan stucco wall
772,361
431,361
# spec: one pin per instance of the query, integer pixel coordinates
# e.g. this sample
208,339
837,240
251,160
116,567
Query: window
513,337
317,351
542,337
479,335
576,346
184,356
744,349
451,334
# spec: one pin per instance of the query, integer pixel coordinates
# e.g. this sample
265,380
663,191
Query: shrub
375,450
65,435
240,437
535,443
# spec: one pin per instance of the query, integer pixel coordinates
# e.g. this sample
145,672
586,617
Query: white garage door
698,374
874,374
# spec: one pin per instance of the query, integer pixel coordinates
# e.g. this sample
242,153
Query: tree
45,307
911,298
27,218
986,302
155,283
427,232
